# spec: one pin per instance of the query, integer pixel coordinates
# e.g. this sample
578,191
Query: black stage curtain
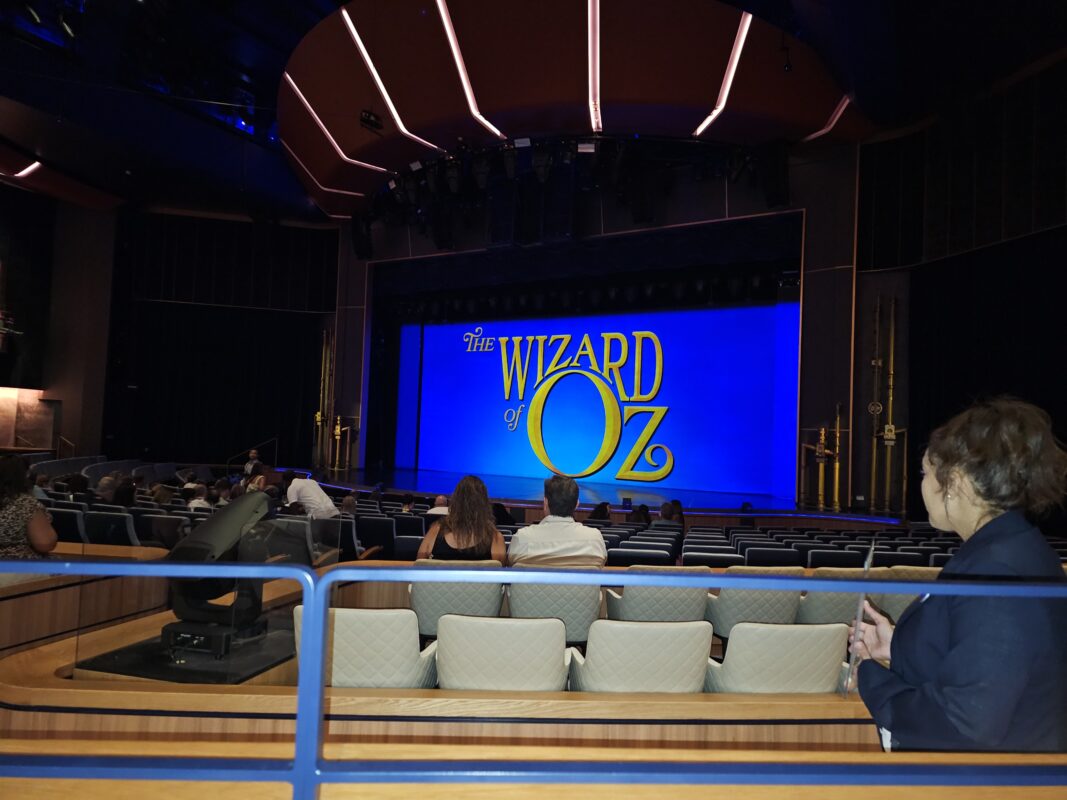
984,323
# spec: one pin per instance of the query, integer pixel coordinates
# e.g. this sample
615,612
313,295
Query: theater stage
521,490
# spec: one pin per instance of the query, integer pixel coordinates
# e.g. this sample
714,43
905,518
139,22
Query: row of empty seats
380,648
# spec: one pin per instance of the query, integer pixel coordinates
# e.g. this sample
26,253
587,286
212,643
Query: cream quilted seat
660,603
577,606
375,649
732,606
501,654
894,604
780,658
431,600
823,607
642,657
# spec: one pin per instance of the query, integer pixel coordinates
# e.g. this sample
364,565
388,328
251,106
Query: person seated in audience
199,498
348,505
558,541
602,511
40,485
78,485
979,673
162,494
105,489
310,495
407,503
666,516
125,494
467,532
236,491
501,515
25,528
679,513
222,492
640,514
253,459
257,478
440,507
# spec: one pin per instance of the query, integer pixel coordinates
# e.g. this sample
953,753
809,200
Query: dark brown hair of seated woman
470,516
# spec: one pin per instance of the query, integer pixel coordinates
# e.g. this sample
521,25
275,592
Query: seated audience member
105,489
558,541
467,532
640,514
310,495
982,672
40,484
348,505
199,498
440,506
78,484
125,494
679,513
25,529
162,494
222,490
253,459
501,515
236,491
666,516
257,479
407,503
377,493
602,511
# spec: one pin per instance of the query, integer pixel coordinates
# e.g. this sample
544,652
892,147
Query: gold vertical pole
337,445
837,460
889,435
875,406
821,458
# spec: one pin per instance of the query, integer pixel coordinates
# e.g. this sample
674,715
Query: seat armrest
712,678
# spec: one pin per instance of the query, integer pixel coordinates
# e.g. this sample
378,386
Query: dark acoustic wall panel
216,332
992,170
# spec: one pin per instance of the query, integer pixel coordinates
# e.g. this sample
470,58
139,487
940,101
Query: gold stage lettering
606,364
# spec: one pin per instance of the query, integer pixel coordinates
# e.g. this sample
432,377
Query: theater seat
818,608
576,605
659,603
105,527
375,649
431,600
732,606
642,657
69,525
691,559
493,654
780,658
626,557
895,604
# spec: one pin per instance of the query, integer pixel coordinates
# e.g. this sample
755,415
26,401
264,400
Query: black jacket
979,673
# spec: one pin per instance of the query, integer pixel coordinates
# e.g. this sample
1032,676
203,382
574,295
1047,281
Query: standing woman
979,673
468,531
25,529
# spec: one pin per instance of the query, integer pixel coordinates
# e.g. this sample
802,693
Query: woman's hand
874,637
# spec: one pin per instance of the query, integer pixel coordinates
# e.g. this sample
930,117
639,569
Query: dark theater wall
216,334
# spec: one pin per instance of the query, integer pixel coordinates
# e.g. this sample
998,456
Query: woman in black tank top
468,532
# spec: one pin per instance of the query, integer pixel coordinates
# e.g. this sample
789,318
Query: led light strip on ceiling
308,172
595,119
381,86
326,131
25,172
461,68
829,126
728,78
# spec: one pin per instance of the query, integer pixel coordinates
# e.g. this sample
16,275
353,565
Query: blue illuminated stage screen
640,403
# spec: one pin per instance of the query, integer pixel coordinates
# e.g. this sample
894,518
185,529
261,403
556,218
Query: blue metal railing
308,770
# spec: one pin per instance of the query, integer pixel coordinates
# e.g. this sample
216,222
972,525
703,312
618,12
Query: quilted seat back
732,606
374,649
660,603
894,604
780,658
431,600
643,657
576,606
824,607
501,654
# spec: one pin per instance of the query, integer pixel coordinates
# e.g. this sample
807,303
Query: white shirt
309,494
558,542
199,502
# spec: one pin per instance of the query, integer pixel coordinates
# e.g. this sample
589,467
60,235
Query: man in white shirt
310,495
558,541
440,507
199,499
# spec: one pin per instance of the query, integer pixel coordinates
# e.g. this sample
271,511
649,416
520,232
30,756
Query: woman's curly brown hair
1007,448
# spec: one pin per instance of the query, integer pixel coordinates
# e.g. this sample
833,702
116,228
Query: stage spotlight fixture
369,120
